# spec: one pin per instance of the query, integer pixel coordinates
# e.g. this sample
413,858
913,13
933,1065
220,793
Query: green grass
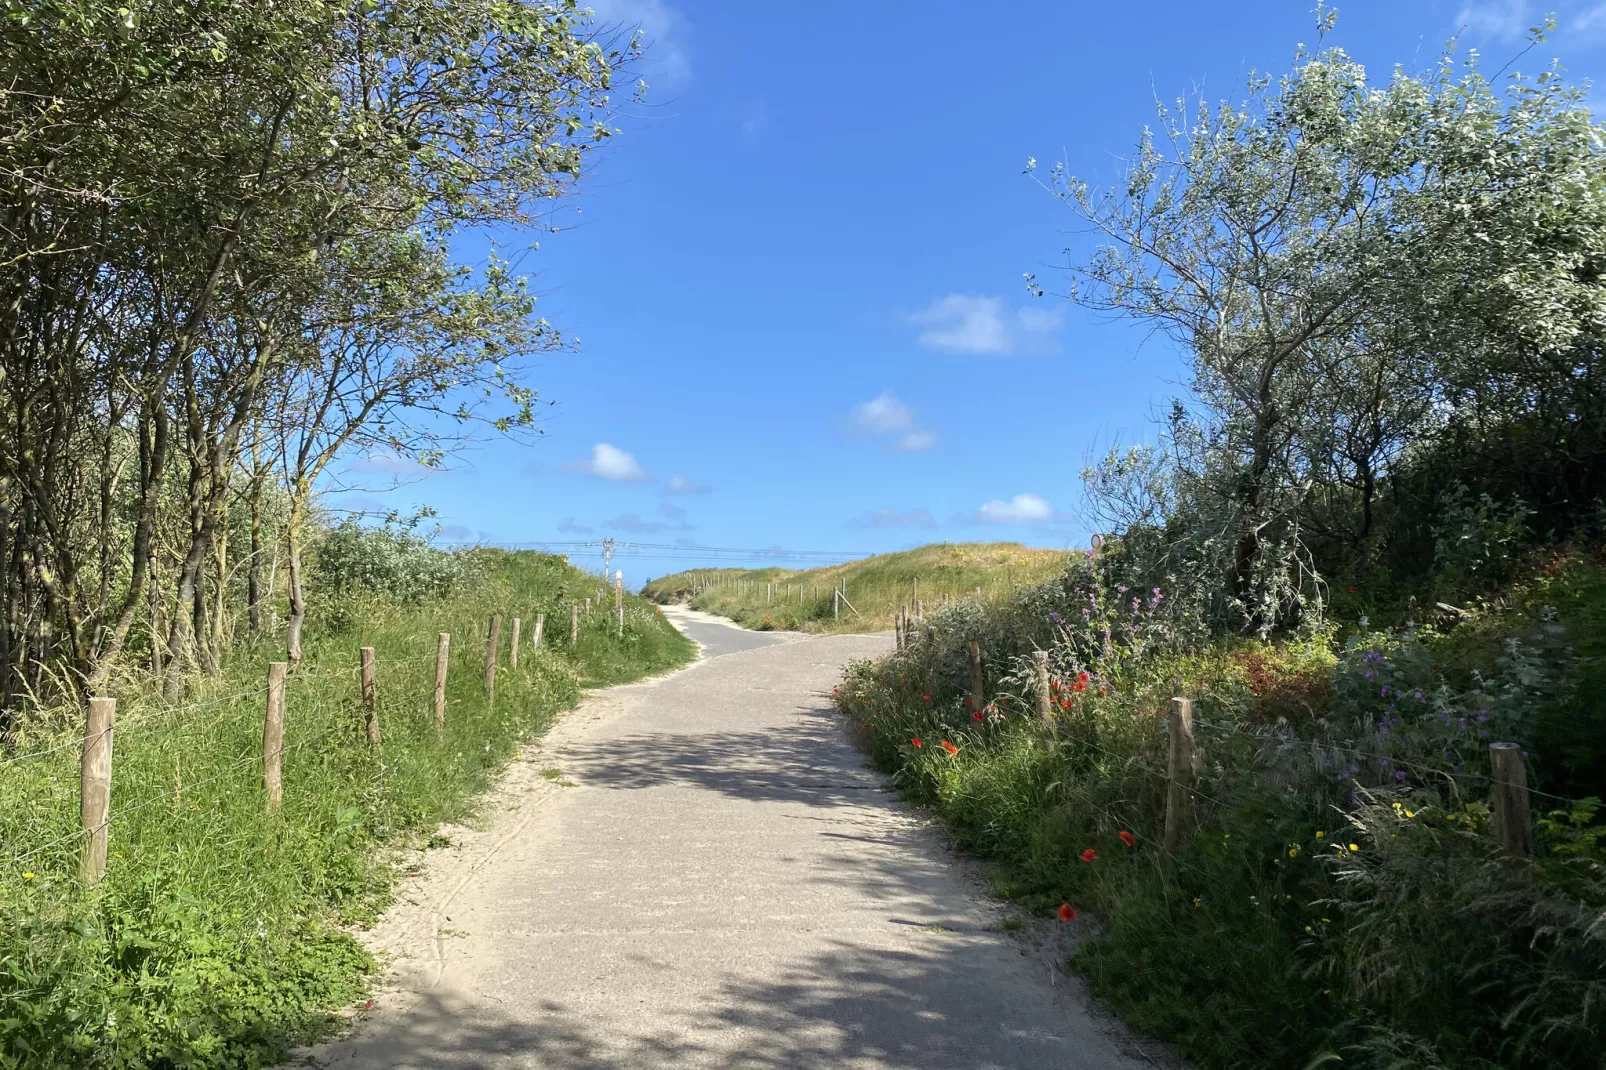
877,587
220,934
1265,942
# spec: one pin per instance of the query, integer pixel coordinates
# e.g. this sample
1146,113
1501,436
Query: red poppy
917,743
1082,676
1128,839
1067,912
949,747
977,715
1352,590
1090,855
1079,685
1101,692
969,700
1065,703
926,697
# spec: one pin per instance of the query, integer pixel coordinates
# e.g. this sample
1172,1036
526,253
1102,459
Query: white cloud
663,31
392,464
611,463
567,526
971,323
1021,509
679,484
885,414
964,323
1505,19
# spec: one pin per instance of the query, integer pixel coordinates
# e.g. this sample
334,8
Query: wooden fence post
513,645
1045,693
978,696
95,787
540,626
1180,773
619,600
273,737
574,624
370,704
493,641
443,650
836,604
897,629
1512,825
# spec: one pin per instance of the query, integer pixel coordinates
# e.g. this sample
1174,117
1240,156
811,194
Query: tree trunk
298,598
253,578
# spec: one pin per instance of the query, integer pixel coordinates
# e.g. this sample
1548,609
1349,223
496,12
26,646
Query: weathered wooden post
370,696
95,787
273,737
619,600
493,642
540,626
1045,693
897,631
1180,773
443,649
1511,822
574,624
513,646
978,696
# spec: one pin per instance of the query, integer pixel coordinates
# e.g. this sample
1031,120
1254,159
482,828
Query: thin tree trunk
253,578
298,597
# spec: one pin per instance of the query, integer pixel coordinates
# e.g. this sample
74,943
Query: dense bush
1337,896
392,561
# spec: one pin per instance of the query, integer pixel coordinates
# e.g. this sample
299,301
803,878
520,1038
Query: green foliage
1337,896
220,935
390,561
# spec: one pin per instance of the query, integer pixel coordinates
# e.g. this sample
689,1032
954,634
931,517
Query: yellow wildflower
27,876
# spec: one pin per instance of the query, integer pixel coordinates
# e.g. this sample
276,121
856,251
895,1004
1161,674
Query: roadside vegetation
876,587
1368,544
227,287
222,932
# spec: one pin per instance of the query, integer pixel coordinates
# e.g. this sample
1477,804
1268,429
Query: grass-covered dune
220,933
876,587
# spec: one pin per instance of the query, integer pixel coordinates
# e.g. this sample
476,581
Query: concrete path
713,880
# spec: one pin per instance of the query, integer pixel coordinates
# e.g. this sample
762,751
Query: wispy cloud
391,464
886,417
971,323
1512,20
891,518
664,32
679,484
611,463
567,526
636,524
1021,509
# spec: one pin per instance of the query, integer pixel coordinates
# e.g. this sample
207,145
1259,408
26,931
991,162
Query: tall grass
1337,899
218,937
877,587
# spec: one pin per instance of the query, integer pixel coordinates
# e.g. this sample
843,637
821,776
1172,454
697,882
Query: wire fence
1507,780
95,741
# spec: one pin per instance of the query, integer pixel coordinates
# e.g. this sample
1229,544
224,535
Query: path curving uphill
714,879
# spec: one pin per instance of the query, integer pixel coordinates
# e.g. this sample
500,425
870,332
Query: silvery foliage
1349,268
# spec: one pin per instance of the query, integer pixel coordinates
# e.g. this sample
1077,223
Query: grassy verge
1337,898
876,587
217,938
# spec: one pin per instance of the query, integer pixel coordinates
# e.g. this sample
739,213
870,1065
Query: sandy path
724,885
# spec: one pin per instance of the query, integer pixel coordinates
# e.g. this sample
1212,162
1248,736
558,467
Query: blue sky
796,275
